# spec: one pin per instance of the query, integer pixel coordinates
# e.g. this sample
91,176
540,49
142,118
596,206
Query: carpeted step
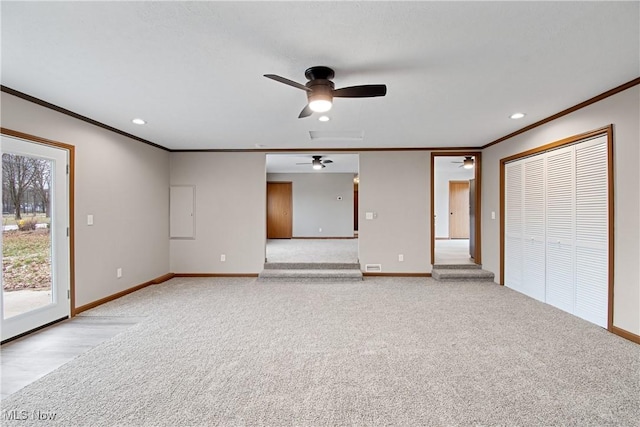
456,266
310,275
312,266
462,275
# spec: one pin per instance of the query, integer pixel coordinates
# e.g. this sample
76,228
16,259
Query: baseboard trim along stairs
461,273
315,272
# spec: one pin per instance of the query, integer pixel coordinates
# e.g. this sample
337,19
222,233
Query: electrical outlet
223,257
119,273
401,257
320,230
493,215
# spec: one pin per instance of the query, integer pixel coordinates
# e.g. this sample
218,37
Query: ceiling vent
350,135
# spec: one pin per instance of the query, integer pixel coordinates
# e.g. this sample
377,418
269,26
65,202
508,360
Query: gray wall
123,183
395,185
623,111
316,205
230,212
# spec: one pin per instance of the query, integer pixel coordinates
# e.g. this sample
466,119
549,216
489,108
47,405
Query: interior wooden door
458,209
279,210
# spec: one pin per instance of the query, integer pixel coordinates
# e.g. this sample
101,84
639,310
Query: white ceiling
194,71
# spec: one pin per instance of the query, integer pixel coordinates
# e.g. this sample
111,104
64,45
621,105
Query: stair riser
468,279
311,266
459,274
457,267
310,279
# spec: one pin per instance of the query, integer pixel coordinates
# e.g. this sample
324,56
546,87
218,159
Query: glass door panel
35,245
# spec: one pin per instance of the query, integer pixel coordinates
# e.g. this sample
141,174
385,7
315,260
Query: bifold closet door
514,228
557,228
560,248
592,226
533,247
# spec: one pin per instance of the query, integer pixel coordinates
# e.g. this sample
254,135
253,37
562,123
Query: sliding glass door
35,235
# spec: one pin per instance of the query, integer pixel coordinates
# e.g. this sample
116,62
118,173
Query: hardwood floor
31,357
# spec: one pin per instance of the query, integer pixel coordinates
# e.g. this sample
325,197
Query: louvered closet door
556,228
592,244
533,283
513,226
560,264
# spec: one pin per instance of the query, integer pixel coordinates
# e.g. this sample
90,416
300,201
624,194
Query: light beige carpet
386,351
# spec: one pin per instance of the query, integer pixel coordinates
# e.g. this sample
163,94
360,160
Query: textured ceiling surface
194,71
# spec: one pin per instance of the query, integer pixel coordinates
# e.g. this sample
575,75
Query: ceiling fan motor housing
319,73
320,89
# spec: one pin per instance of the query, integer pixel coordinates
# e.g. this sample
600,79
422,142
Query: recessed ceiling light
324,118
139,121
517,115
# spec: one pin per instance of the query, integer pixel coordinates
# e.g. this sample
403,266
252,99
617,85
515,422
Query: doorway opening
312,213
455,207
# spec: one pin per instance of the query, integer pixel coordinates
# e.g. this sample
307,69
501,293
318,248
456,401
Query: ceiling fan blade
304,163
327,161
364,91
287,82
306,112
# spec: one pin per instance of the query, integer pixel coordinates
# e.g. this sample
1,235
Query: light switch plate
369,215
89,219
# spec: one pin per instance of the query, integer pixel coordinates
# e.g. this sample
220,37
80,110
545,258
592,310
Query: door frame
71,208
477,170
604,131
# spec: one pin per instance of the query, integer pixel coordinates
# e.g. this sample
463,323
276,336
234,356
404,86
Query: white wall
623,110
230,212
316,205
123,183
441,193
395,185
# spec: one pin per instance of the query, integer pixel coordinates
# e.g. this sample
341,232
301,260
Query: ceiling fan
320,90
467,163
317,162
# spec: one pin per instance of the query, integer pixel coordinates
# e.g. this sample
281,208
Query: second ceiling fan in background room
317,162
467,163
320,90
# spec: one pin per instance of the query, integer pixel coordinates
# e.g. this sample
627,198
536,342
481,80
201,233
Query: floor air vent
373,268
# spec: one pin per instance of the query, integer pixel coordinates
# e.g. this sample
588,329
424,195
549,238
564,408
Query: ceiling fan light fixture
317,166
467,163
320,105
